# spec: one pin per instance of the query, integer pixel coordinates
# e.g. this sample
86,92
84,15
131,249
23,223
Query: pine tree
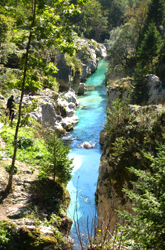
156,12
147,59
149,50
57,163
146,228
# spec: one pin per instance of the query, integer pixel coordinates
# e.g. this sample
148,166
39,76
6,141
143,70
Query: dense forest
31,34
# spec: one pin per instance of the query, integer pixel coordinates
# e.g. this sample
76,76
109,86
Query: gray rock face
101,51
156,92
120,90
70,96
81,89
107,204
64,73
48,114
88,56
54,111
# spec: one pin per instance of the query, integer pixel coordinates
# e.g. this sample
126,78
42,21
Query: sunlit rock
86,145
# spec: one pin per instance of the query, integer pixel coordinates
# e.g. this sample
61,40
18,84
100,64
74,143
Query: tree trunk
55,162
10,181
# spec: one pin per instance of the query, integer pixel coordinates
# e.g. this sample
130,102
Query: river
91,113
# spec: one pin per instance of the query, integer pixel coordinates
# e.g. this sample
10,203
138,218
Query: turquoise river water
91,113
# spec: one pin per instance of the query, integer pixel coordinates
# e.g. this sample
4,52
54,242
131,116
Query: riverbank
33,216
30,208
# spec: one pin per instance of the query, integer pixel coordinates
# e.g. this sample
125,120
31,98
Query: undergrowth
29,149
131,132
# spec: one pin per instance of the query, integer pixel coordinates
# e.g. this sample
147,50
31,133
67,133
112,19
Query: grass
29,149
45,201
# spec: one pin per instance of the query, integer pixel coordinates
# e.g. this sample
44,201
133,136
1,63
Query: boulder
48,113
156,91
101,51
54,111
81,89
118,89
70,96
86,145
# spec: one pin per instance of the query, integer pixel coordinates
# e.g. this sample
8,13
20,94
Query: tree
57,164
147,60
136,16
124,39
140,88
9,186
116,9
121,49
145,229
149,50
96,19
50,26
156,13
3,28
92,22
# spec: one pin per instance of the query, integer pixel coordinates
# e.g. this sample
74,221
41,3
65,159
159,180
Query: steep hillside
130,131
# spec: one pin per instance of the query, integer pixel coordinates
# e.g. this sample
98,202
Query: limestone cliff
134,131
75,70
120,87
49,108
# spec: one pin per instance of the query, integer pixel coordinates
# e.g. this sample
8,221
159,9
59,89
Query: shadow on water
82,187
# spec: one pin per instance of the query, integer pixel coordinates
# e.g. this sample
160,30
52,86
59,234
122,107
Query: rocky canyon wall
136,131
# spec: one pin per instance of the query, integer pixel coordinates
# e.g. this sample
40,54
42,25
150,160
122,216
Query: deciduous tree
50,26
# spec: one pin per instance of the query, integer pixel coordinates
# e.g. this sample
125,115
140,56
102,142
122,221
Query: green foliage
4,236
24,142
140,88
30,149
150,48
146,228
124,39
148,60
116,115
116,9
121,49
49,30
8,168
148,52
57,163
156,14
3,28
128,135
8,78
51,26
26,119
92,22
74,63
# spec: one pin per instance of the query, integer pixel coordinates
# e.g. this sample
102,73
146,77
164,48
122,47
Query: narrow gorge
91,113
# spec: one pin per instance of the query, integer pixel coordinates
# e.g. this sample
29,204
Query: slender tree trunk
10,181
55,162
